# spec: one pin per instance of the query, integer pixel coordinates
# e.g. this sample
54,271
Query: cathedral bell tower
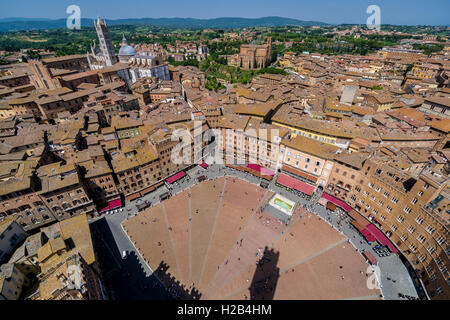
105,42
269,48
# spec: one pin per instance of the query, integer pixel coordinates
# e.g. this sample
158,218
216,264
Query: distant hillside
23,19
19,24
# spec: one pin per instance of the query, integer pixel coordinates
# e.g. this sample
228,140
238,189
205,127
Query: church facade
134,65
252,56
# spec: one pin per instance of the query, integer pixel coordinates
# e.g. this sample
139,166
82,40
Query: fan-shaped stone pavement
213,236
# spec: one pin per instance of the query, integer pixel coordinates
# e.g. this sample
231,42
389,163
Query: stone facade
252,56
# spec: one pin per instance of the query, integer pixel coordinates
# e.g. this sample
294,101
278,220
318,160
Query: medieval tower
106,46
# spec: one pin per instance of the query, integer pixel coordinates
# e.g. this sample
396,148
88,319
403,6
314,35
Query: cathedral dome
125,49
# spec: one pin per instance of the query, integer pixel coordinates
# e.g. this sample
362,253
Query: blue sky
412,12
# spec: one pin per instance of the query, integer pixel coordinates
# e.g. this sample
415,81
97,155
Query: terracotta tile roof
310,146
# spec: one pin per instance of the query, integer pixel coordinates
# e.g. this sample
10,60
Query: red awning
112,205
256,173
176,177
337,202
382,239
115,204
262,170
368,235
298,185
204,165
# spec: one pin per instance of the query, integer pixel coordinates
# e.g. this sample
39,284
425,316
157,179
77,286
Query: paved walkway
219,207
171,240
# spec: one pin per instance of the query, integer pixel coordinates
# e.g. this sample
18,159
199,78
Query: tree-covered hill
19,24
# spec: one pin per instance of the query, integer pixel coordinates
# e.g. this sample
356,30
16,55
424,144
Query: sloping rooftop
310,146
